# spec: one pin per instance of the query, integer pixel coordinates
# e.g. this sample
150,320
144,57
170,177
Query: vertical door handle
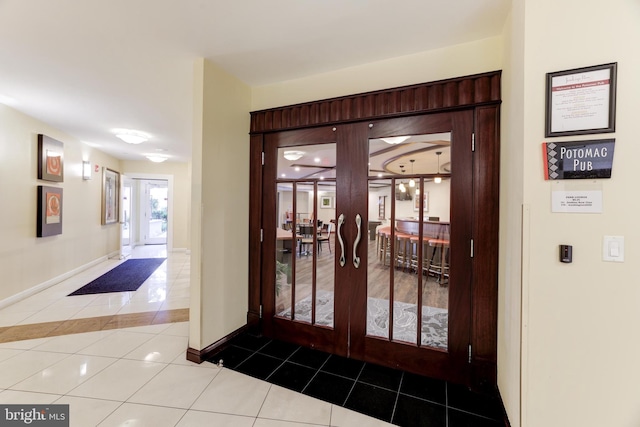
356,259
343,260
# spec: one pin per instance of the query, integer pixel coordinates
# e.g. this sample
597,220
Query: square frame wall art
50,159
326,202
49,221
110,196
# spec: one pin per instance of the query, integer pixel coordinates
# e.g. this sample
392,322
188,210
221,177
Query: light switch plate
613,248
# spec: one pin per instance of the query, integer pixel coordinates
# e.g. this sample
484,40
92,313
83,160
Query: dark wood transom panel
470,91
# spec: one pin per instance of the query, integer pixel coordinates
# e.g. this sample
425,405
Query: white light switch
613,248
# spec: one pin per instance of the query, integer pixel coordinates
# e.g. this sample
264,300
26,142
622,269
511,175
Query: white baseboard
44,285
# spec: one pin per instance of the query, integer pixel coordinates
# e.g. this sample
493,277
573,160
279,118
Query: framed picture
581,101
49,221
425,201
50,159
326,202
110,196
382,204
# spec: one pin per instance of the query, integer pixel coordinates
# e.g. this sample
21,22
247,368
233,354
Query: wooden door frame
480,93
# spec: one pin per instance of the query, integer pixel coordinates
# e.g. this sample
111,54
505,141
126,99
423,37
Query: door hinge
473,142
472,248
263,158
261,314
469,347
261,235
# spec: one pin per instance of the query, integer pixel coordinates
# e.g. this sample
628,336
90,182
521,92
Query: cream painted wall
460,60
181,194
219,264
25,260
511,215
580,347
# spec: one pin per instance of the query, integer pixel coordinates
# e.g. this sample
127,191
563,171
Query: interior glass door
300,207
419,216
156,209
371,225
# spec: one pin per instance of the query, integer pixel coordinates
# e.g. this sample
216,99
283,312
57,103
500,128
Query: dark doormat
128,276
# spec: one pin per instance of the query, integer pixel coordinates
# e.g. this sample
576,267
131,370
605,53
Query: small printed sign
578,159
576,201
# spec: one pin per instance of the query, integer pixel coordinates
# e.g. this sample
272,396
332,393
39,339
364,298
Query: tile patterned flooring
119,360
385,394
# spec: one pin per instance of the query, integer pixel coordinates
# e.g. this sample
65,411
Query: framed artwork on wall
425,200
49,221
50,159
326,202
110,196
382,204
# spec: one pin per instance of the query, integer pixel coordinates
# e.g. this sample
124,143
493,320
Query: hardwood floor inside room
405,281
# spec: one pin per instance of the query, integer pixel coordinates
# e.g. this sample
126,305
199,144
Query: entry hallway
119,360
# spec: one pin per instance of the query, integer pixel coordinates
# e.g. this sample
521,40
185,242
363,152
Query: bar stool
383,244
425,254
403,250
438,264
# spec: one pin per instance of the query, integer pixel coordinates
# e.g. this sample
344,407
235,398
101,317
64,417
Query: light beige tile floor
124,376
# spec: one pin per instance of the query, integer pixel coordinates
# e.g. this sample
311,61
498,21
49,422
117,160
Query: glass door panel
408,261
326,249
305,260
156,212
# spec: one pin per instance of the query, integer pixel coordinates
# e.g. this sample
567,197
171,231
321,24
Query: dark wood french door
367,247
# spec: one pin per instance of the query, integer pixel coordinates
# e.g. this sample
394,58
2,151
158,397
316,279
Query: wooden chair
306,239
324,236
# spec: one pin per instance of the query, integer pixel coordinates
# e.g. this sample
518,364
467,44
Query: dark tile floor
394,396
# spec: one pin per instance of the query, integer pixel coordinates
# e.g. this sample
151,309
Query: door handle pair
356,258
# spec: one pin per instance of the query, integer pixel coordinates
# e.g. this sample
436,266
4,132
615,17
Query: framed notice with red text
581,101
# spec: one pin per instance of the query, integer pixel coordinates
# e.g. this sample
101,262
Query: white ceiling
89,66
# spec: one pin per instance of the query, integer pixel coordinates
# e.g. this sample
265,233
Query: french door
367,240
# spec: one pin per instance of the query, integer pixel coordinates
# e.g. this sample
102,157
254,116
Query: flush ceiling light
293,155
395,139
157,158
131,136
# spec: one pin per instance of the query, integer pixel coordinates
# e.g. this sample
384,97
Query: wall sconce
86,170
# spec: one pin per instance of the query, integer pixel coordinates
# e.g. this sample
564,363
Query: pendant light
412,182
438,179
401,186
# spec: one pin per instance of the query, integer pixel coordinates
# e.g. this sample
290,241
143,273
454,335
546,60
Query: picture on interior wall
49,221
581,101
326,202
50,159
425,201
110,196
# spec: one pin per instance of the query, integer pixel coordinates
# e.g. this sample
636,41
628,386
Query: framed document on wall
581,101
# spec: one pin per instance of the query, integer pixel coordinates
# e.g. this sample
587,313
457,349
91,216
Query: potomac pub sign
578,159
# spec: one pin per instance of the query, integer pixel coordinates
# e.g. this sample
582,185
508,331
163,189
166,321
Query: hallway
119,359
